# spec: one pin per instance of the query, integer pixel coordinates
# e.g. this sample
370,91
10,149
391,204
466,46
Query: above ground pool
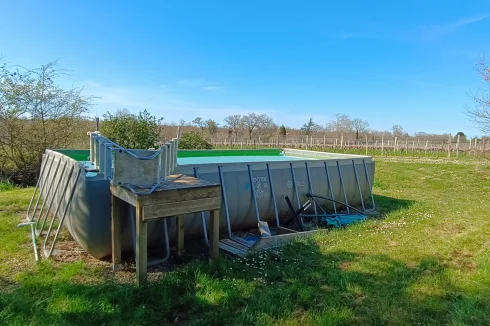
271,174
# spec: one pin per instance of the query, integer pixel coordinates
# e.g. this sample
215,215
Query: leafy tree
200,123
193,140
398,131
36,114
212,127
462,136
132,131
309,127
282,130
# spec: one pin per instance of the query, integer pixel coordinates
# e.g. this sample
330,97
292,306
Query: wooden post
180,235
396,143
366,146
306,142
406,145
342,142
214,235
336,142
382,145
426,145
457,147
449,147
376,144
116,233
324,142
141,246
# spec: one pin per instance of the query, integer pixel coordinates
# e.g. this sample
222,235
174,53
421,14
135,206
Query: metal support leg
330,188
203,217
358,184
369,184
310,186
252,187
273,195
294,185
343,188
225,201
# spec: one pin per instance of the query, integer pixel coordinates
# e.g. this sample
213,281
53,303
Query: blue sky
388,62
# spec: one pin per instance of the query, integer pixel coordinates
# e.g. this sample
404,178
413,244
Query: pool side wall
88,219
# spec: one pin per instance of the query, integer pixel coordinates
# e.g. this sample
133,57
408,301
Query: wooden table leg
141,247
214,235
116,233
180,235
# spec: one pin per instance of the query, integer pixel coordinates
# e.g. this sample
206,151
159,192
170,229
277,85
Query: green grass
425,260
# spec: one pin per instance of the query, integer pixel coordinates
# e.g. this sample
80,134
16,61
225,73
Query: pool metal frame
102,154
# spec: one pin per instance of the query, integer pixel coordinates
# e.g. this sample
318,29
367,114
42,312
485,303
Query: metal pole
369,184
310,186
273,195
203,217
225,202
330,188
294,184
358,184
343,189
252,186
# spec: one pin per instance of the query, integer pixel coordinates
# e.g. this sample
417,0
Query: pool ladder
58,176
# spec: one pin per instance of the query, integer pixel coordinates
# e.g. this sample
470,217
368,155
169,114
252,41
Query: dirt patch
461,260
392,243
345,266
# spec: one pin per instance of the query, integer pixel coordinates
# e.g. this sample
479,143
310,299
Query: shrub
193,140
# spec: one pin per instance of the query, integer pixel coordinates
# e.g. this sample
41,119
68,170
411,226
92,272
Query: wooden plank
279,240
180,208
243,241
234,244
180,235
179,195
180,188
141,247
116,233
124,194
214,235
232,250
283,230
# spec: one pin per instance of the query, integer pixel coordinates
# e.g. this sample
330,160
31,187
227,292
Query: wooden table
176,196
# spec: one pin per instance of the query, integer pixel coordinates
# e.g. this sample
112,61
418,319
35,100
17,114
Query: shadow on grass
300,283
386,205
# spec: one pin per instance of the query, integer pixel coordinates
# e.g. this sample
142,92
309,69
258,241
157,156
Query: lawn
424,260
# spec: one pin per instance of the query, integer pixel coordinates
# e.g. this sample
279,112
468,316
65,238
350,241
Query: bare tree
341,125
479,114
359,126
257,122
234,123
398,131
